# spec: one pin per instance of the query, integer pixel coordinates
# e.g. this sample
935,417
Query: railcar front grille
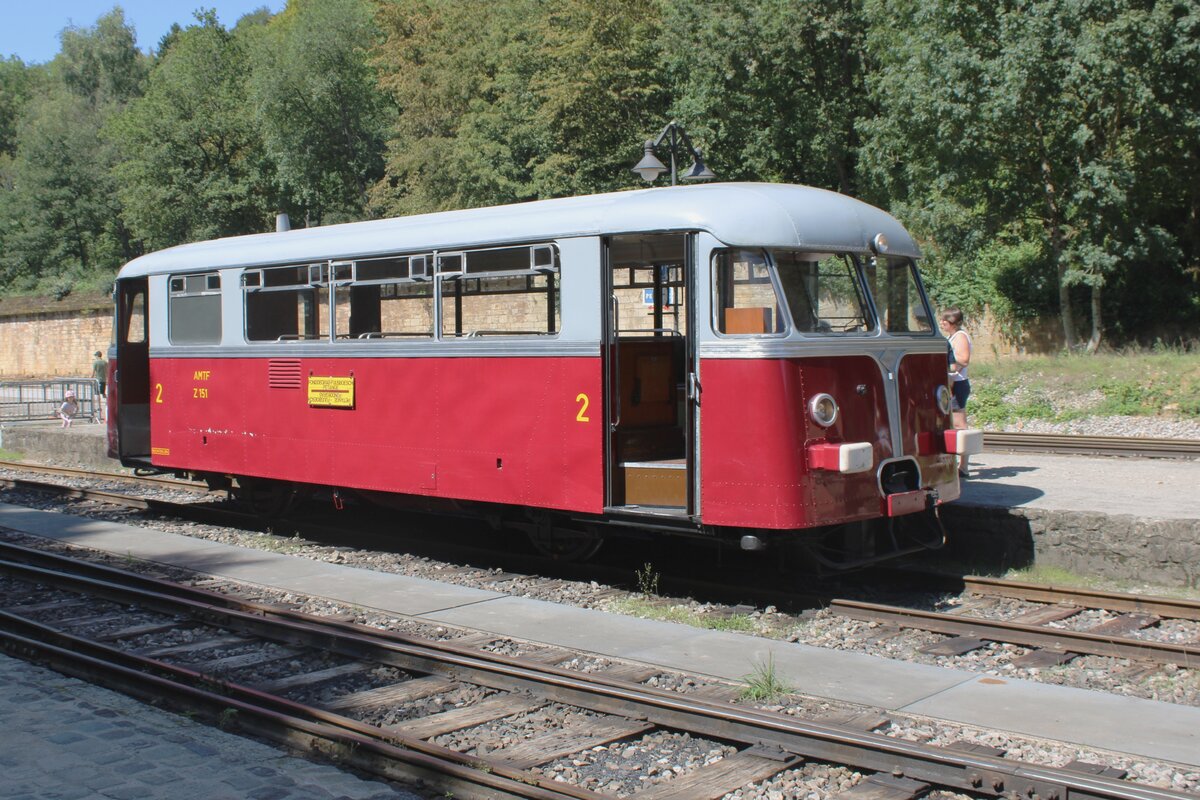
284,373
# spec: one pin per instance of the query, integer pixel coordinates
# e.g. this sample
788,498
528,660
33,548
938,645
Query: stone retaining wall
43,338
1119,547
84,444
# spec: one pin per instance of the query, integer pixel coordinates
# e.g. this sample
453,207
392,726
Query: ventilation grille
284,373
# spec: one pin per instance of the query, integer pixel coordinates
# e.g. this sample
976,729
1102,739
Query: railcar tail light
943,398
823,409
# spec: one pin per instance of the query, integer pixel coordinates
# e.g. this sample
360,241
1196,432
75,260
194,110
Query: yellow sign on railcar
331,391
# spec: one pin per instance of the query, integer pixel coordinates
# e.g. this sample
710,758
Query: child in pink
68,409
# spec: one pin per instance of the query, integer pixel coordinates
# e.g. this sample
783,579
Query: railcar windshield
823,292
897,293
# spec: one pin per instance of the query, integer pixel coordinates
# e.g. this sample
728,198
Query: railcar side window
282,305
391,298
823,292
745,301
194,311
897,293
505,291
134,317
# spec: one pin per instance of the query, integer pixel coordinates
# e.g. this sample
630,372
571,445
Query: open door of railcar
130,395
650,352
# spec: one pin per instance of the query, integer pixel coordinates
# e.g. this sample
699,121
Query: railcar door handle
694,388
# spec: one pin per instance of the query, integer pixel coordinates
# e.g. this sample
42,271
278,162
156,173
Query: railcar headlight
823,409
943,398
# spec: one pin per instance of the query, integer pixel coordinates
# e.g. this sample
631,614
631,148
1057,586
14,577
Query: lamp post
675,137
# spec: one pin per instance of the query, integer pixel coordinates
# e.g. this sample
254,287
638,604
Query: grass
647,580
1157,382
648,609
1058,576
763,685
11,455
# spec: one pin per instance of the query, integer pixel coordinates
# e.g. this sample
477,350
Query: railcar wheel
563,543
266,498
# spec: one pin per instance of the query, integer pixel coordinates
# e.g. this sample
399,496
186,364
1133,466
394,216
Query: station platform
1151,729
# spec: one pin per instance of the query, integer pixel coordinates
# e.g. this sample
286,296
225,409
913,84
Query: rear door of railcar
130,394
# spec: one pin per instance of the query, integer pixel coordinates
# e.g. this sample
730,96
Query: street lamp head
650,167
698,171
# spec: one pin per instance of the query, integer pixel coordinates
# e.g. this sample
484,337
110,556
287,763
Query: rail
766,743
1070,444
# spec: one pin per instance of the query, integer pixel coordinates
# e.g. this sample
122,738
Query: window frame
914,272
866,300
206,277
425,267
781,308
552,272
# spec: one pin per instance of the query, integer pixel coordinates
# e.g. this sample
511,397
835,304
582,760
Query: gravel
1144,427
600,768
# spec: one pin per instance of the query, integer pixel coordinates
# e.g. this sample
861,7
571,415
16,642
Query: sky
29,29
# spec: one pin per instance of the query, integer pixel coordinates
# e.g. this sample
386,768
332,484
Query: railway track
91,474
421,540
353,693
1045,627
1067,444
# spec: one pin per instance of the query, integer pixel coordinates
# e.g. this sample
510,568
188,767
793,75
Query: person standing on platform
951,324
100,376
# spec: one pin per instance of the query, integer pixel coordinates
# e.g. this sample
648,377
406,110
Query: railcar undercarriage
568,537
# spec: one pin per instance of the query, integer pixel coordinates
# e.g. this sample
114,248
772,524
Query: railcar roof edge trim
738,214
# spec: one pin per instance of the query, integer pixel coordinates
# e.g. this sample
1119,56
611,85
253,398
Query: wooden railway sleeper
340,744
156,680
665,709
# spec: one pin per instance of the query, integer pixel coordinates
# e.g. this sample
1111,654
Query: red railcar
752,363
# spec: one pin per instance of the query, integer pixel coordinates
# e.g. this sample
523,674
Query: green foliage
646,608
193,164
17,84
317,104
1055,112
1159,382
773,87
647,580
763,685
1043,152
518,103
102,64
1130,397
61,218
61,225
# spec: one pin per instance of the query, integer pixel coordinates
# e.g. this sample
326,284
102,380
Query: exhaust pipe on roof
282,223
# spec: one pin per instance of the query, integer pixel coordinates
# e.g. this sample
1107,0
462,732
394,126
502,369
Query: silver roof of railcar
741,214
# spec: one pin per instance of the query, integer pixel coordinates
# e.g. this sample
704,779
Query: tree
17,84
321,114
102,64
193,165
773,86
1042,121
60,222
531,100
60,219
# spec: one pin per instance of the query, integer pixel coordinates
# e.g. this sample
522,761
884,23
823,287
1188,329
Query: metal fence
39,400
